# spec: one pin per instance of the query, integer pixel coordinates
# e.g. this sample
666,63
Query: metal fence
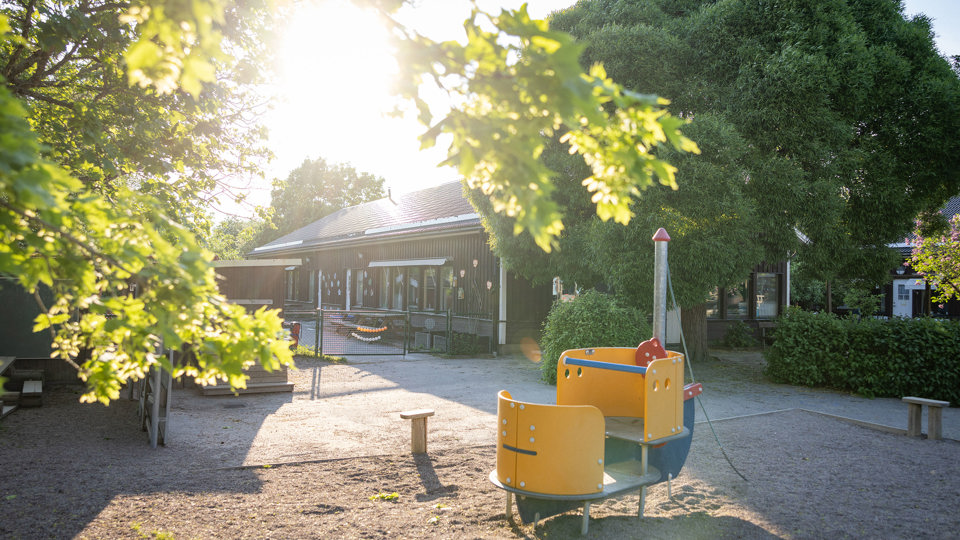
445,332
358,333
371,332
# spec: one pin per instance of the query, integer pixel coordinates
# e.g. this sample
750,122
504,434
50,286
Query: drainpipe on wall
502,316
788,282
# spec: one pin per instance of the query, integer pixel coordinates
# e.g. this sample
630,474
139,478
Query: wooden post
934,423
418,429
914,416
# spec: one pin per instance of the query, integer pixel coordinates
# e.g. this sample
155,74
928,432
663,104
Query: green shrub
884,358
592,319
805,344
468,344
863,301
738,336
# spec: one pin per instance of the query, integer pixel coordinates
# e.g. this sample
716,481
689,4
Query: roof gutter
362,241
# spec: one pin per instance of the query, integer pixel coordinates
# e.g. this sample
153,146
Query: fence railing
376,332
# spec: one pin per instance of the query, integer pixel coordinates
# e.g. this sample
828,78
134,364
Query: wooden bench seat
934,417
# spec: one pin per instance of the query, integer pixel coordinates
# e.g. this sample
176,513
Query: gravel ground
306,465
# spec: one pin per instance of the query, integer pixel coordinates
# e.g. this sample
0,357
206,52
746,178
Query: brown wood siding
55,370
249,283
460,251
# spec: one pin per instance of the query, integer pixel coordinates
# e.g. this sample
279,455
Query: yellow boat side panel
558,450
663,387
506,438
615,393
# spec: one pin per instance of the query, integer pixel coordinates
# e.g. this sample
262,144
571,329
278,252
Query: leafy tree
316,189
232,238
705,217
83,159
65,63
827,117
825,95
88,250
937,257
518,81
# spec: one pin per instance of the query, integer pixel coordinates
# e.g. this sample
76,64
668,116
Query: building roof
435,209
950,209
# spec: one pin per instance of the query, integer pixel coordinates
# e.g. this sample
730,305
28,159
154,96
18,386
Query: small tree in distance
937,258
315,190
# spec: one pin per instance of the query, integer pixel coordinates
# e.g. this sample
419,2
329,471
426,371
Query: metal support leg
586,517
509,506
669,490
643,471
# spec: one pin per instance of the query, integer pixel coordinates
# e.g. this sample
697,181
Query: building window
413,288
397,286
385,288
713,304
766,294
902,293
736,301
446,288
430,288
361,276
293,284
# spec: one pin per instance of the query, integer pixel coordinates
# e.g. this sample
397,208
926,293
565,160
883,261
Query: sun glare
335,59
334,96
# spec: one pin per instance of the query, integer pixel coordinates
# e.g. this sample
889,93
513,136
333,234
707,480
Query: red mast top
661,235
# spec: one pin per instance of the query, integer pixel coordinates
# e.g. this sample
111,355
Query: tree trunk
693,322
829,298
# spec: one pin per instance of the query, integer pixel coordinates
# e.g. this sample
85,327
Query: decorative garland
371,330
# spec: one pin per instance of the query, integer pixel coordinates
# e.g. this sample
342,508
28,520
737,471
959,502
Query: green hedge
592,319
894,358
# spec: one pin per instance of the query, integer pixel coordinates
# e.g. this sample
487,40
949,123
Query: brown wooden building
255,283
756,302
420,252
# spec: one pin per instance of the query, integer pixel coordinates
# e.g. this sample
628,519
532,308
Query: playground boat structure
623,421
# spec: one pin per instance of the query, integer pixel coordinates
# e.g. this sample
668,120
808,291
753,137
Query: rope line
683,343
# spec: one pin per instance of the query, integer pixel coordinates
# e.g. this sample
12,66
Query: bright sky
336,76
336,72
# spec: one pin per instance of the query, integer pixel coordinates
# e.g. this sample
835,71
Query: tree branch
86,9
45,98
26,25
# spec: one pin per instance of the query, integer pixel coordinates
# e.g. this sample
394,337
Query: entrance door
902,306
